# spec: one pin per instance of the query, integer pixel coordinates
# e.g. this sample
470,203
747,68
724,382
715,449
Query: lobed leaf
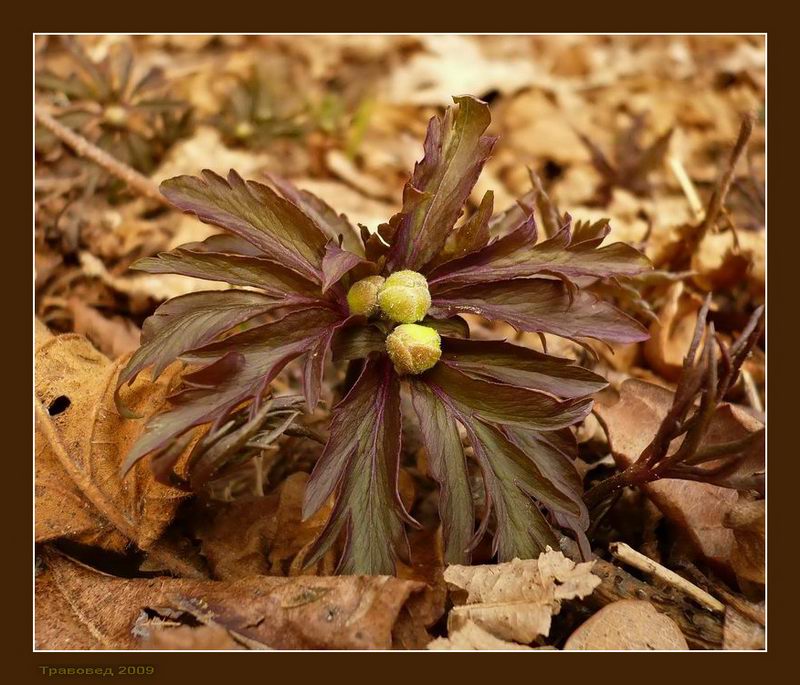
254,212
504,404
336,263
334,225
455,152
238,368
276,281
360,465
541,305
448,467
517,255
504,362
186,322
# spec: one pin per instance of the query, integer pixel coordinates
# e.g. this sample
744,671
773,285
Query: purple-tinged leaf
357,342
256,213
469,236
454,327
510,257
504,404
455,152
225,243
336,263
239,368
186,322
554,454
360,464
510,481
541,305
504,362
276,281
332,224
448,467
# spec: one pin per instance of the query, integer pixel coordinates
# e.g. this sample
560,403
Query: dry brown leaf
720,264
627,624
432,77
515,600
79,608
747,520
740,632
114,337
168,636
81,441
671,332
471,636
264,536
699,508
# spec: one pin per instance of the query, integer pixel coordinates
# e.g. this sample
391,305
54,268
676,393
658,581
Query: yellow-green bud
116,115
362,298
404,297
413,348
243,130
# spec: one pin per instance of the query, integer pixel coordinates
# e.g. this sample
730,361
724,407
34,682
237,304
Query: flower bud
413,348
362,298
404,297
116,115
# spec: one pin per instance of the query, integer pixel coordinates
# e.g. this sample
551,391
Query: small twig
717,201
628,555
84,148
687,186
751,391
736,602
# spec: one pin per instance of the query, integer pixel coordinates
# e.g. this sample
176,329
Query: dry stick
630,556
83,148
692,197
702,629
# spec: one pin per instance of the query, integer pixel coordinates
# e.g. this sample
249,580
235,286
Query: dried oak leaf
470,637
79,608
672,331
697,507
747,520
740,632
264,536
516,600
627,624
80,443
169,636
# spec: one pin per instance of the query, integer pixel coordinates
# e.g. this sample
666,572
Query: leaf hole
59,405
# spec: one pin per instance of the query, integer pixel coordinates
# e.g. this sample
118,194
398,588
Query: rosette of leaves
514,405
260,107
135,120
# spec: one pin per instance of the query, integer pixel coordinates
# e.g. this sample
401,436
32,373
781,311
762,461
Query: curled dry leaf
698,507
747,520
627,624
80,443
516,600
471,636
264,536
741,632
671,331
113,337
168,636
79,608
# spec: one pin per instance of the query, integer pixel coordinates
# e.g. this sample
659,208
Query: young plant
134,120
679,449
389,303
